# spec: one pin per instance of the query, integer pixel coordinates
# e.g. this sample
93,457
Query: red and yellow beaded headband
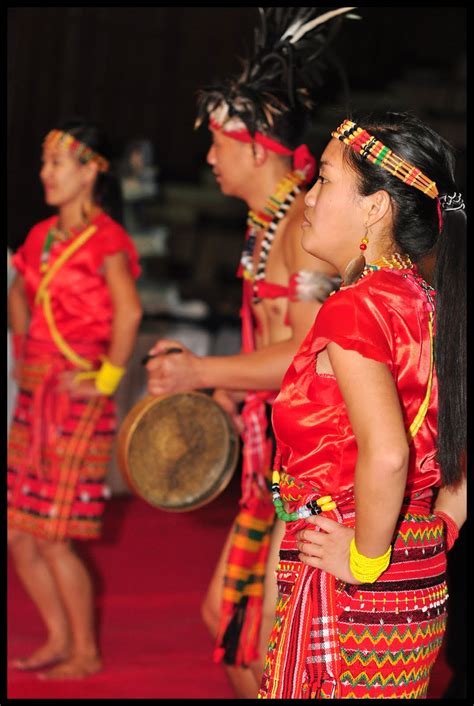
63,140
376,152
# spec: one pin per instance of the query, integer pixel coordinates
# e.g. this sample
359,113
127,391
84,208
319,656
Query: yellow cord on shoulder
70,250
418,421
64,347
43,297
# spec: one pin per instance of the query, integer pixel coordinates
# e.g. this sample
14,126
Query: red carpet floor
151,569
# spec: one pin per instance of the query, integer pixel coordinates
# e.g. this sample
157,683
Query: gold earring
356,266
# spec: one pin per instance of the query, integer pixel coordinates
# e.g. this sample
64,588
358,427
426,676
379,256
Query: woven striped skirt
241,609
59,449
386,635
242,598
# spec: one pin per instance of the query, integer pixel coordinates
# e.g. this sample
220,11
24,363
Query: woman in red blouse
74,313
370,423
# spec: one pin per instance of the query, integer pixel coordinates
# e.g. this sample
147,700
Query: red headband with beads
63,140
303,160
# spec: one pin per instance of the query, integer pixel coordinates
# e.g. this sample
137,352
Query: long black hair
107,192
416,231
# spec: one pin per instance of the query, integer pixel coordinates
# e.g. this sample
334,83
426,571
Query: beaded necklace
56,235
275,208
326,503
394,262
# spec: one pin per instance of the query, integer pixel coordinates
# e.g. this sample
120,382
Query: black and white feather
281,74
315,286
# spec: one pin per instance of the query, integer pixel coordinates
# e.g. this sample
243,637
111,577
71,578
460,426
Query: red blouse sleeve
28,255
113,239
18,260
355,320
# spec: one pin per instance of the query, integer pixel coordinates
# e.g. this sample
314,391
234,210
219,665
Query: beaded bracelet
108,377
367,569
452,530
313,507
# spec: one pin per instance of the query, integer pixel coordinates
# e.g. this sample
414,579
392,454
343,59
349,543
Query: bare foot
77,667
48,654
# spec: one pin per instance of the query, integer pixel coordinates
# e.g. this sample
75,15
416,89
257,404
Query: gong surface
177,451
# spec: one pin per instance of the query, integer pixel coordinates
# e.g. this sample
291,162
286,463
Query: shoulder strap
65,255
43,297
421,414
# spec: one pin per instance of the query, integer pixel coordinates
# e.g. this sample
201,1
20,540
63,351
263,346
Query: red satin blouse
383,316
81,302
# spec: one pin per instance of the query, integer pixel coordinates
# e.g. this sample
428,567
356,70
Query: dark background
136,71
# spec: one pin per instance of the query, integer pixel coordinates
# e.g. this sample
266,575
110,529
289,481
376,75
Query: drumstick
149,356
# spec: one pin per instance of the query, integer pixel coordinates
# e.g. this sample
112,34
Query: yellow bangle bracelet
108,377
367,569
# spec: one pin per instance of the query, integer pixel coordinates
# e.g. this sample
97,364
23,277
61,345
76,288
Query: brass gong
177,451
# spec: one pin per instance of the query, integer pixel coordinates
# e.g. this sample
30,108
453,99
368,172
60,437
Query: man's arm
260,370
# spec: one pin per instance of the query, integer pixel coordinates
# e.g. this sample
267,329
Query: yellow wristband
367,569
108,377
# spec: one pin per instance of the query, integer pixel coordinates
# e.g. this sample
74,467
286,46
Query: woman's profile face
334,221
64,178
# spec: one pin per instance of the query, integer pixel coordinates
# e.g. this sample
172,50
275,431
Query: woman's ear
91,170
378,206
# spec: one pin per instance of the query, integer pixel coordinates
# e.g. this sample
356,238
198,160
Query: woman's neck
73,216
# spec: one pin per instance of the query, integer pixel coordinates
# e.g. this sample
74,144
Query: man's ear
259,153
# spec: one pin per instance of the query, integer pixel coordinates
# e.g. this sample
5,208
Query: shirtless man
278,275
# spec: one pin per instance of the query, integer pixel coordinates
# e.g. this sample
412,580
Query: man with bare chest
256,155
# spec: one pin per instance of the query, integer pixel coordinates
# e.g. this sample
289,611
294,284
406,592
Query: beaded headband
303,160
63,140
376,152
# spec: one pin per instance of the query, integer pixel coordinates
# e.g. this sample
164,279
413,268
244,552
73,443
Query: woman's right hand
68,383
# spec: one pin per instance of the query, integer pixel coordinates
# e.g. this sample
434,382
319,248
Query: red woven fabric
59,450
384,316
59,446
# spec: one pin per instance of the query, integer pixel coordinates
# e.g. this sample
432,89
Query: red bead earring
356,266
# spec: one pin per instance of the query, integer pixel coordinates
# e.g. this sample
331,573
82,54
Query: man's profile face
232,162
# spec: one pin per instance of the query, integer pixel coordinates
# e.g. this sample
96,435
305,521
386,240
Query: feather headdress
286,61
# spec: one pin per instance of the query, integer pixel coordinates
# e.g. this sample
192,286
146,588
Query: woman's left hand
327,549
77,388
